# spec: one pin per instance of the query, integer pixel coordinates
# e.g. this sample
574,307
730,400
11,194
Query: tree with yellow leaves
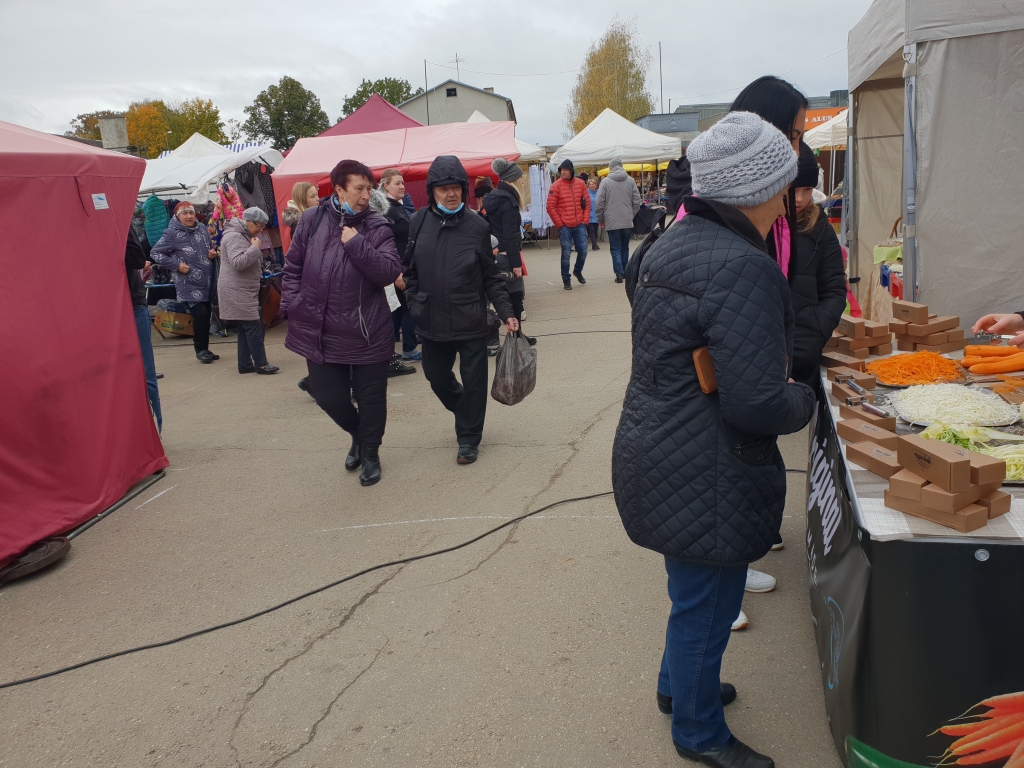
195,116
148,127
614,74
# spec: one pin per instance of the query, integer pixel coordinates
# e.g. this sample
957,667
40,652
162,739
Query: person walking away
304,195
698,477
593,230
134,262
449,276
342,258
617,204
501,209
239,287
185,249
569,209
392,185
817,277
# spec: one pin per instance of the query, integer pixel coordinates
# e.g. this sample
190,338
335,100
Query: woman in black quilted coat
698,477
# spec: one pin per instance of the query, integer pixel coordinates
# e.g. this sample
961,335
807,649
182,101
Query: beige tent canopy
528,153
935,136
830,134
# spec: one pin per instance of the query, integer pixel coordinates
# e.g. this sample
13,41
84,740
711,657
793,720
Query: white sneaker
741,622
777,547
759,582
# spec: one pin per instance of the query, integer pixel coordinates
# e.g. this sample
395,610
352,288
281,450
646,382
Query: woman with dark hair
341,259
392,187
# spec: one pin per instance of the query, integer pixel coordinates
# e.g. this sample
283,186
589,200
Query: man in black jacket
449,276
134,261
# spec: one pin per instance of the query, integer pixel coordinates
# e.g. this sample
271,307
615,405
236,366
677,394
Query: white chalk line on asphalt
473,517
151,498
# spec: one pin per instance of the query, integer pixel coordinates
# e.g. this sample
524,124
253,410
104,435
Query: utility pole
456,61
670,105
661,84
426,89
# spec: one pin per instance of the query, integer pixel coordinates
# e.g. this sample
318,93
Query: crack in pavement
330,707
246,707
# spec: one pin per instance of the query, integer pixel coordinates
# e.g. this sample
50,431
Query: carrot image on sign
985,737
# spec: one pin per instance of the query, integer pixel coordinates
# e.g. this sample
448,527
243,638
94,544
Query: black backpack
632,271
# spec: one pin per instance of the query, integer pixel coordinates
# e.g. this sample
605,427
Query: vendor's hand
400,283
347,233
255,241
183,268
212,253
1002,324
512,325
517,271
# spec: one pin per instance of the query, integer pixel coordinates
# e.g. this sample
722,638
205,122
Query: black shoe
247,369
579,276
567,285
594,248
728,694
398,368
467,454
620,279
206,357
268,370
371,465
159,375
304,384
354,458
733,754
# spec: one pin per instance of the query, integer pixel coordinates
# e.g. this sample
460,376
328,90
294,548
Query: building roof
446,83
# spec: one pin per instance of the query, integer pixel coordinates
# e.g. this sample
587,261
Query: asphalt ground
537,646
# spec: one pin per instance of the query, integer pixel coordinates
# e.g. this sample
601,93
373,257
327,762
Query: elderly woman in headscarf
238,287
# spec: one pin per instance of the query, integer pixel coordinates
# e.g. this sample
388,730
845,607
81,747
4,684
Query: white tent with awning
830,134
528,153
610,135
191,177
935,136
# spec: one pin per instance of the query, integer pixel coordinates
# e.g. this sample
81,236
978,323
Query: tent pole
910,263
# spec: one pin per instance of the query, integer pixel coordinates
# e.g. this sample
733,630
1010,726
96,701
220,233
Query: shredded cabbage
952,404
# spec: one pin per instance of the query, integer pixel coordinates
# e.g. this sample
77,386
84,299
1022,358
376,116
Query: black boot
371,465
354,458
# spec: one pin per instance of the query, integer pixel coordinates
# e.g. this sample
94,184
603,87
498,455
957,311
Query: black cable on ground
279,606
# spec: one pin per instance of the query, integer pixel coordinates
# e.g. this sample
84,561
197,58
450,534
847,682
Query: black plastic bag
515,370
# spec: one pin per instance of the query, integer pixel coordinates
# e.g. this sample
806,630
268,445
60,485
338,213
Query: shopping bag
515,370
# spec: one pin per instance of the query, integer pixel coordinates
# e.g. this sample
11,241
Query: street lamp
167,141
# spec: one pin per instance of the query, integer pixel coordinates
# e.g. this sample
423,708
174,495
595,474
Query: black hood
806,168
446,169
678,183
567,163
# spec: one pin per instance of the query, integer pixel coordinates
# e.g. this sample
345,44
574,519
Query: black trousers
594,230
468,400
200,325
517,304
334,386
251,351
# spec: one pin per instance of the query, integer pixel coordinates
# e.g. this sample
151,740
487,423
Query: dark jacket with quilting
699,477
450,273
501,210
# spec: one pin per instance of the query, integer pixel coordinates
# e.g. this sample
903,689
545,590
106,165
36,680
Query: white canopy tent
610,135
198,145
831,133
528,153
935,137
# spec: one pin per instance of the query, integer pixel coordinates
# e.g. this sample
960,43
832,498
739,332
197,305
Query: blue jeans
144,326
618,243
405,324
566,238
706,599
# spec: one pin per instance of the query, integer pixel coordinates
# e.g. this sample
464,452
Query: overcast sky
64,57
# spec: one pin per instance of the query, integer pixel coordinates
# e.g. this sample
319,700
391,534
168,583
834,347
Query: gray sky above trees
65,57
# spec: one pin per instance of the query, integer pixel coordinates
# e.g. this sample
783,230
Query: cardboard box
173,322
907,485
856,412
842,391
882,349
909,312
898,326
949,346
970,518
955,334
934,497
835,359
904,345
984,469
933,326
935,461
857,431
933,338
865,380
860,354
852,327
846,344
873,457
833,340
871,328
997,503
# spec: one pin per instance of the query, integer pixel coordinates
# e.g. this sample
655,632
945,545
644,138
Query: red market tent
75,425
377,114
410,150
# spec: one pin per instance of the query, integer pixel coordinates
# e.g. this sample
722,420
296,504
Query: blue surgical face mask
347,208
448,211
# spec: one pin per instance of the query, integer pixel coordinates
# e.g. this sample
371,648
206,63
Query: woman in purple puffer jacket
341,258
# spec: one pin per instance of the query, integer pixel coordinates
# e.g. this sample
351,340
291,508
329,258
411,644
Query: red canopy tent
410,150
75,425
377,114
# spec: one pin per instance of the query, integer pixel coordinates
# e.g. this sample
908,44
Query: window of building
451,92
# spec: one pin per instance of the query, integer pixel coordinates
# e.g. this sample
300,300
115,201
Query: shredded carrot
914,368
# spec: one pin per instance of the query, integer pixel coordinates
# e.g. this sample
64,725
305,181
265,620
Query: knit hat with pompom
506,170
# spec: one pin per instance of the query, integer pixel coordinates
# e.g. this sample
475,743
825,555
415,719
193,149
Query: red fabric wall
75,425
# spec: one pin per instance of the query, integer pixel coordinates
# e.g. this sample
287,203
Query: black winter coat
818,283
399,218
700,477
134,262
501,209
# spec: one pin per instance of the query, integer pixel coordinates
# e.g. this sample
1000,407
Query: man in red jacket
569,209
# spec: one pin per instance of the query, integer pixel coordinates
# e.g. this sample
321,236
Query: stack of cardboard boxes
856,340
916,330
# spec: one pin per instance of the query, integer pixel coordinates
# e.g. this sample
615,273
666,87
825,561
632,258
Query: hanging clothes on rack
156,218
268,194
248,187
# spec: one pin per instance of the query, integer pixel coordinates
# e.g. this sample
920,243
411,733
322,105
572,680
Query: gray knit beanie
741,160
506,170
256,215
